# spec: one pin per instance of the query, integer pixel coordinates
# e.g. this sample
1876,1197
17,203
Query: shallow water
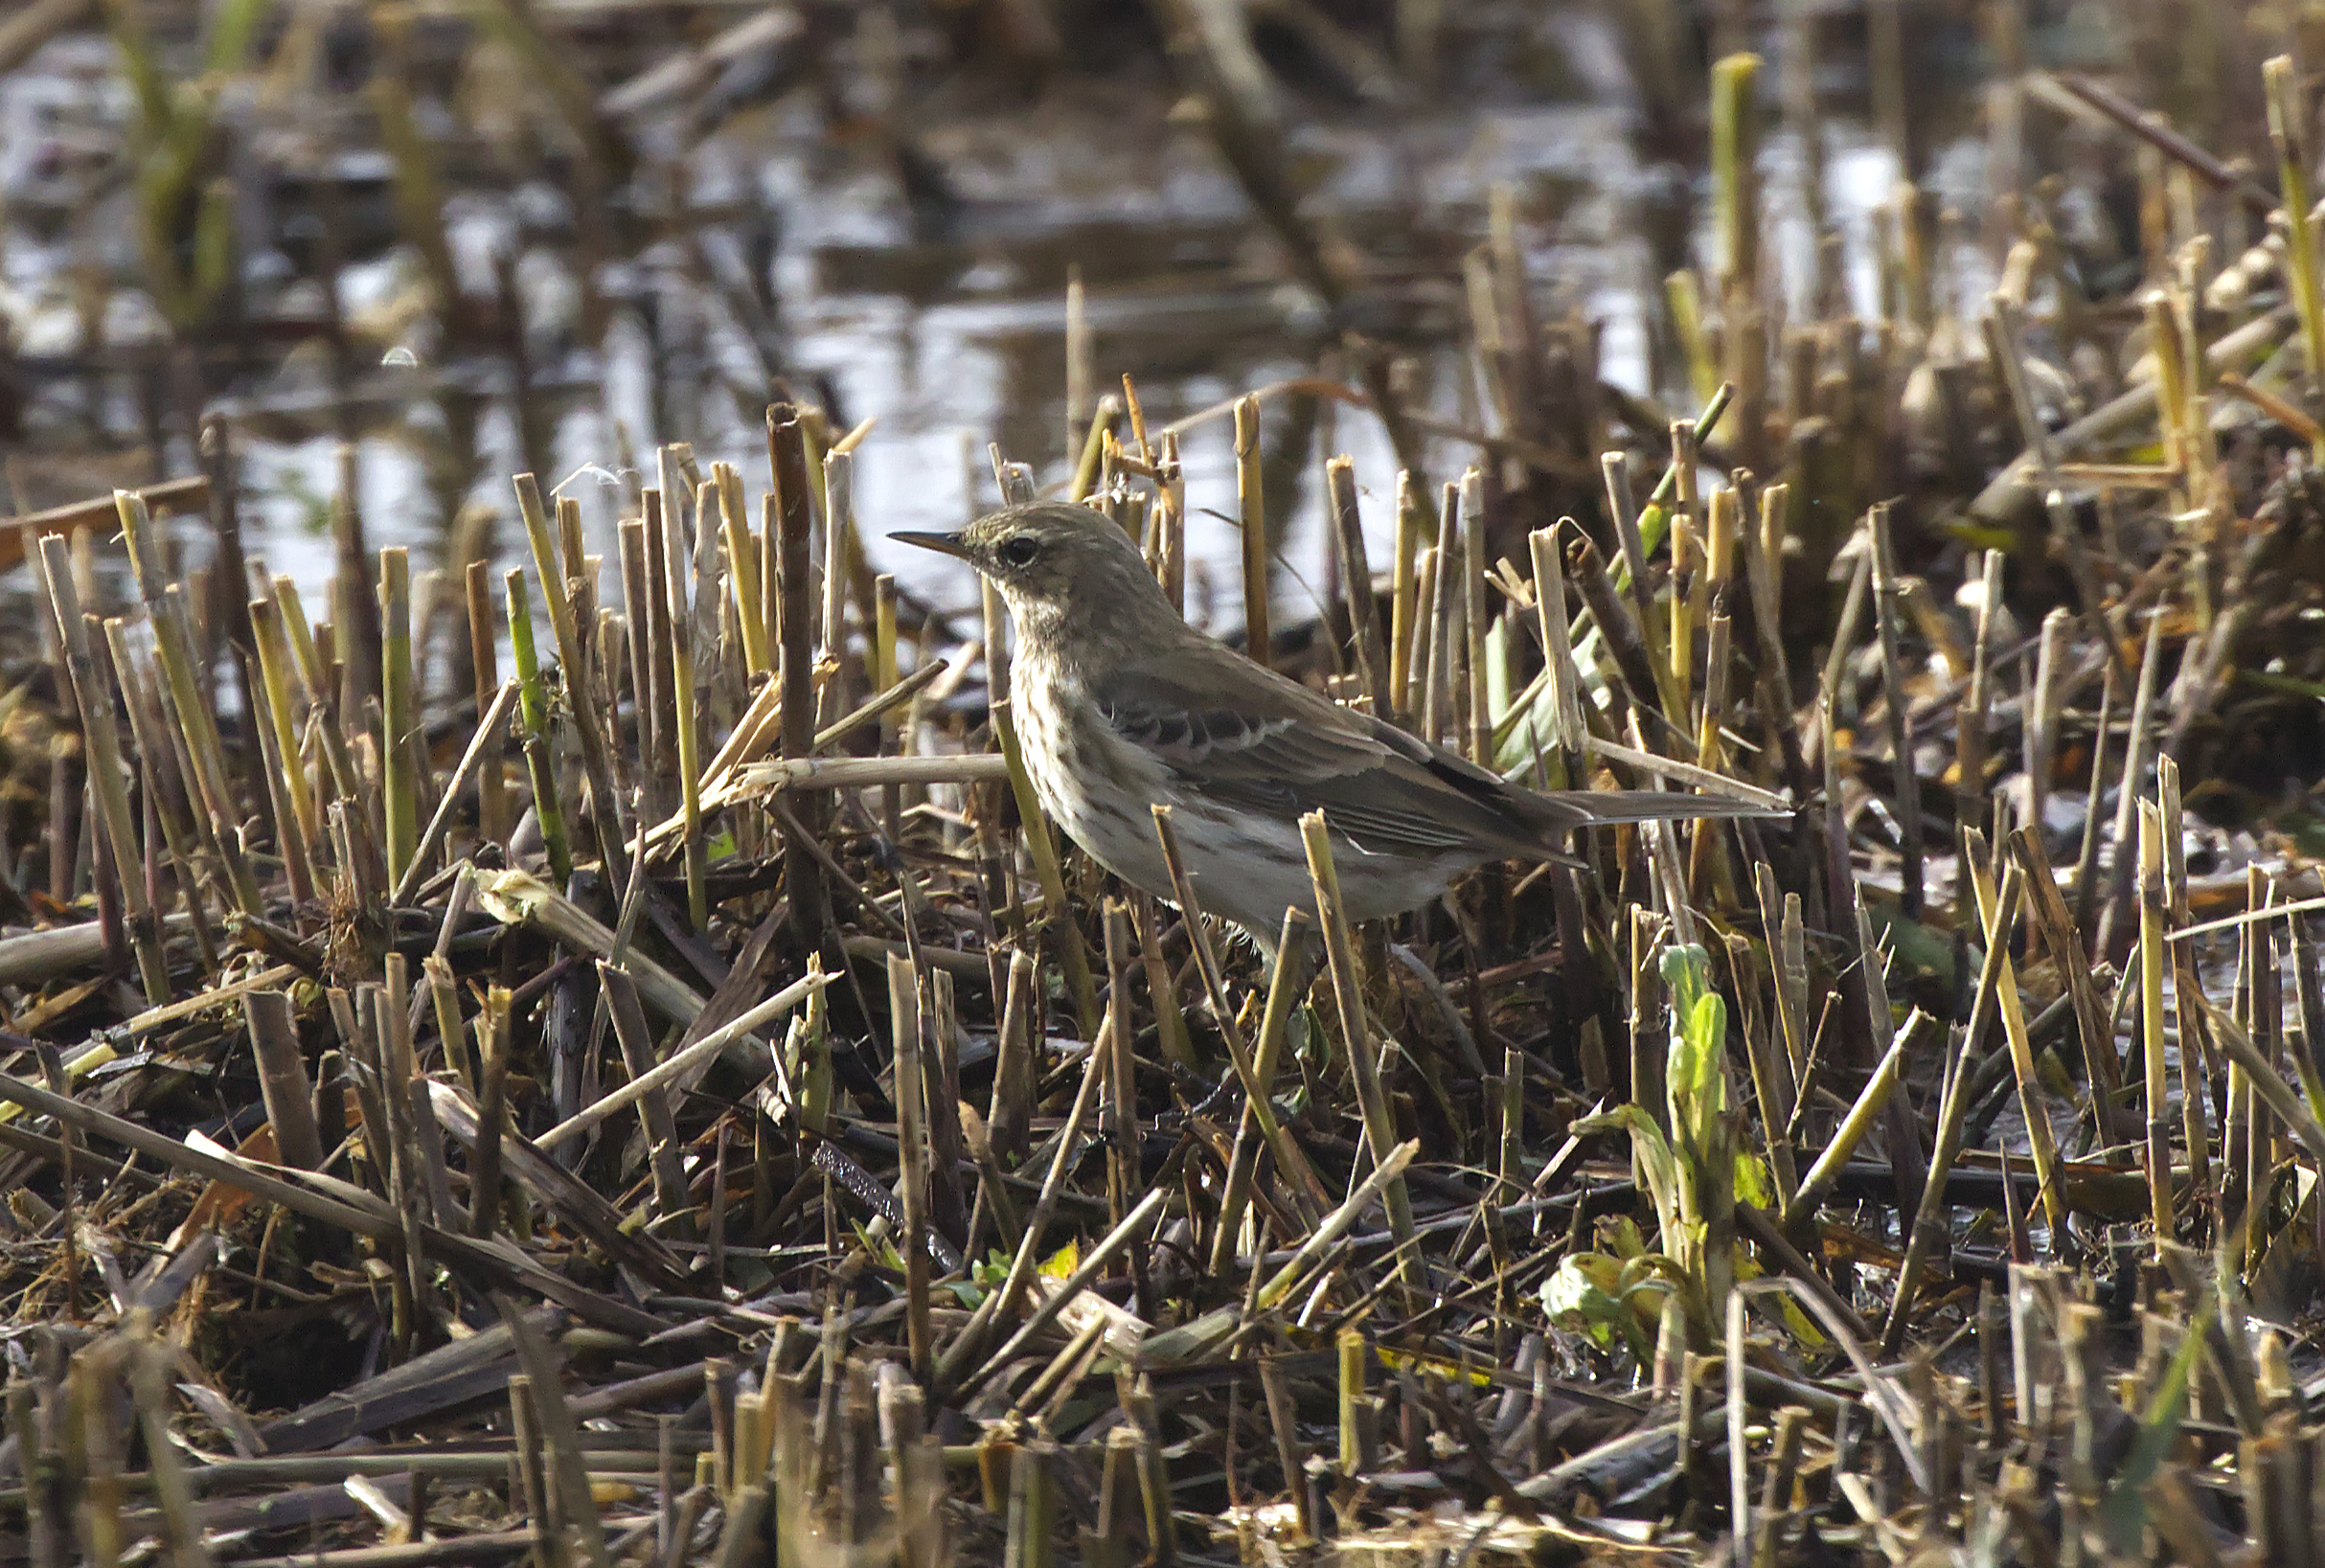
951,339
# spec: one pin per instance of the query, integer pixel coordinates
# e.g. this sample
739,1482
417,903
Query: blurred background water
877,207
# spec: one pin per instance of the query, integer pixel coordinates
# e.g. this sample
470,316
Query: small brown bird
1121,706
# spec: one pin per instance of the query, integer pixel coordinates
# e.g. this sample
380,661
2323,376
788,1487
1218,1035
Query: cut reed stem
1340,953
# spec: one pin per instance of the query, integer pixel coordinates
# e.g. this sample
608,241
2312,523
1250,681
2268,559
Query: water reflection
808,259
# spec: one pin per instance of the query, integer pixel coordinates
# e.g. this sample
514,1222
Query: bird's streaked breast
1101,784
1097,787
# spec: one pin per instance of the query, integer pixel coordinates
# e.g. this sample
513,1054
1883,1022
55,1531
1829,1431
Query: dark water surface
945,319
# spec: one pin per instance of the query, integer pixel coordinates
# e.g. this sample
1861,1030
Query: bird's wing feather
1272,747
1248,739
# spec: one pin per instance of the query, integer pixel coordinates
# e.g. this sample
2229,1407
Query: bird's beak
950,544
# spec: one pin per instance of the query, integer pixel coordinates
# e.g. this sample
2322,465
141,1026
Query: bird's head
1062,568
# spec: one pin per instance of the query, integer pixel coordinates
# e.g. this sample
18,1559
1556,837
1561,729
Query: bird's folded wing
1278,750
1248,740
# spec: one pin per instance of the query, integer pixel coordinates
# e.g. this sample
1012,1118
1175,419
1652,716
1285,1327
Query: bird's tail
1606,808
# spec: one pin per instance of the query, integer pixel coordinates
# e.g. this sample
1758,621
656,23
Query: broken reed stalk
1304,1191
1436,705
1970,718
274,1042
323,716
572,659
443,996
1735,1345
274,669
689,748
561,1435
534,708
1480,737
491,1113
1927,1234
1735,158
399,789
2288,130
2136,755
295,844
1340,953
2042,718
2196,1067
108,780
905,1016
965,1347
745,572
1622,508
1685,531
1773,1084
1871,1101
1032,1504
1252,510
1356,576
1256,1073
637,1047
2086,856
790,550
473,763
1404,593
189,712
638,620
1416,692
2150,1019
1094,1263
831,617
149,1366
1888,615
1558,650
167,806
1118,1039
2041,1140
1282,1417
690,1059
1359,1413
2064,943
887,675
662,535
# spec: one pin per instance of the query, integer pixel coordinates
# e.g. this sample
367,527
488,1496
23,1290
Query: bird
1120,706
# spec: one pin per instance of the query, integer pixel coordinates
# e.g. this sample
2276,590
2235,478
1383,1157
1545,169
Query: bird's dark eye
1019,552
